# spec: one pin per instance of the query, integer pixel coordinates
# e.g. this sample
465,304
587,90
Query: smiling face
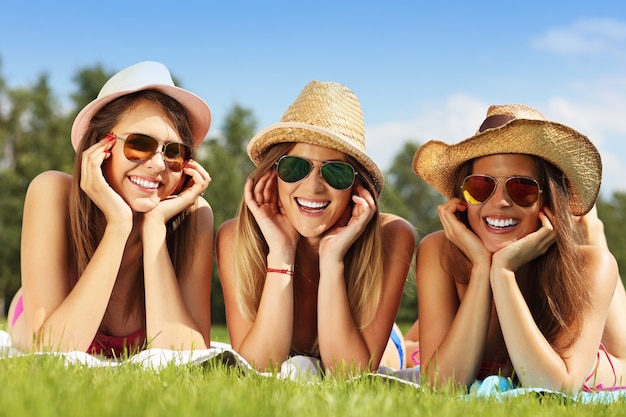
311,205
142,185
499,221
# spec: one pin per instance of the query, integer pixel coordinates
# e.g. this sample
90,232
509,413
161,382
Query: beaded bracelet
281,271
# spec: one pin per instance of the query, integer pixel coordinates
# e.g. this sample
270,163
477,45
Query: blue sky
422,70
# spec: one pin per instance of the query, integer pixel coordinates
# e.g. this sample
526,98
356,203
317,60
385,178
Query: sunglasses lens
339,175
176,154
293,168
523,191
138,148
478,188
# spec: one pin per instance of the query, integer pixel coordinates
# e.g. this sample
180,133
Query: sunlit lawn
44,385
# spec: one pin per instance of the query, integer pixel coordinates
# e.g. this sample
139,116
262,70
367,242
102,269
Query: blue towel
500,387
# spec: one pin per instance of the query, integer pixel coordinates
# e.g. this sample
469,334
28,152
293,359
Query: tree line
34,137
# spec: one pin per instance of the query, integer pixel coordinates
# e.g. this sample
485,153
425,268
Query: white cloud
459,117
596,109
584,37
594,105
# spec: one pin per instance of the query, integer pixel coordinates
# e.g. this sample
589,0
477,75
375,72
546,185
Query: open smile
144,183
500,224
312,206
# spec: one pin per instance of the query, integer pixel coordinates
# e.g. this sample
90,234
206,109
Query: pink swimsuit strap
19,309
600,387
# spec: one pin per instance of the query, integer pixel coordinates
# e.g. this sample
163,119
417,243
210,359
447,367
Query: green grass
219,333
43,385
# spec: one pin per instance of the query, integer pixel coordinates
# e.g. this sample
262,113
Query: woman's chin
493,247
144,205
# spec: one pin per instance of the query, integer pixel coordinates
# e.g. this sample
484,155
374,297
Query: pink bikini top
114,346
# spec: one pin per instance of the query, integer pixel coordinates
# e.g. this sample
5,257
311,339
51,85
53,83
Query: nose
315,180
158,158
500,196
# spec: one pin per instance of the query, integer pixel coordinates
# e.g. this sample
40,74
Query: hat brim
283,132
570,151
198,111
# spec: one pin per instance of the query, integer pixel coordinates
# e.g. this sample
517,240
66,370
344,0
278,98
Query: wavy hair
364,260
87,222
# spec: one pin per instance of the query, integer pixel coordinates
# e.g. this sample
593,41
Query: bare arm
266,340
453,327
57,317
452,332
342,343
178,309
178,313
536,362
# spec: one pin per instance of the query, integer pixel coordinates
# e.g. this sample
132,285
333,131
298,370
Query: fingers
91,164
261,193
201,178
447,215
364,205
546,234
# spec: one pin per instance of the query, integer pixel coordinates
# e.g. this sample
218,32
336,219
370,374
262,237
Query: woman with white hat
507,287
310,269
117,257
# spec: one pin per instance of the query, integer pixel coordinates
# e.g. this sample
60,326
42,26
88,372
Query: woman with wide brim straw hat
312,273
507,288
523,130
118,256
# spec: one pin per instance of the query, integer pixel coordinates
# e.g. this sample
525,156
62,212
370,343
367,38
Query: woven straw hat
147,75
326,114
520,129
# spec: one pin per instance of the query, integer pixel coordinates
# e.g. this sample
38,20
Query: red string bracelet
281,271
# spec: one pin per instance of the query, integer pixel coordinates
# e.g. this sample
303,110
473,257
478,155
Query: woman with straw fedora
508,287
309,267
119,255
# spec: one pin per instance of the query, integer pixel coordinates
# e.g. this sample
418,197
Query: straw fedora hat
520,129
326,114
147,75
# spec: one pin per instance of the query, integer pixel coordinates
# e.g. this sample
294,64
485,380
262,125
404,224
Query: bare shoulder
224,250
396,227
203,203
51,182
435,238
601,266
226,231
225,242
49,190
204,211
432,246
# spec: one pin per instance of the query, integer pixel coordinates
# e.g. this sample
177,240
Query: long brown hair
87,222
557,295
364,260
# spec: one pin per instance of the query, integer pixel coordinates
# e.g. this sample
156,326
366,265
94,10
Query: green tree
89,81
613,213
410,197
227,162
33,140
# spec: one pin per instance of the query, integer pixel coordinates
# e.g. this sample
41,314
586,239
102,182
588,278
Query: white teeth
312,204
501,222
144,183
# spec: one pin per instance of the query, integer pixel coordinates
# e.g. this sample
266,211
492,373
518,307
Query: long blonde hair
87,222
364,260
